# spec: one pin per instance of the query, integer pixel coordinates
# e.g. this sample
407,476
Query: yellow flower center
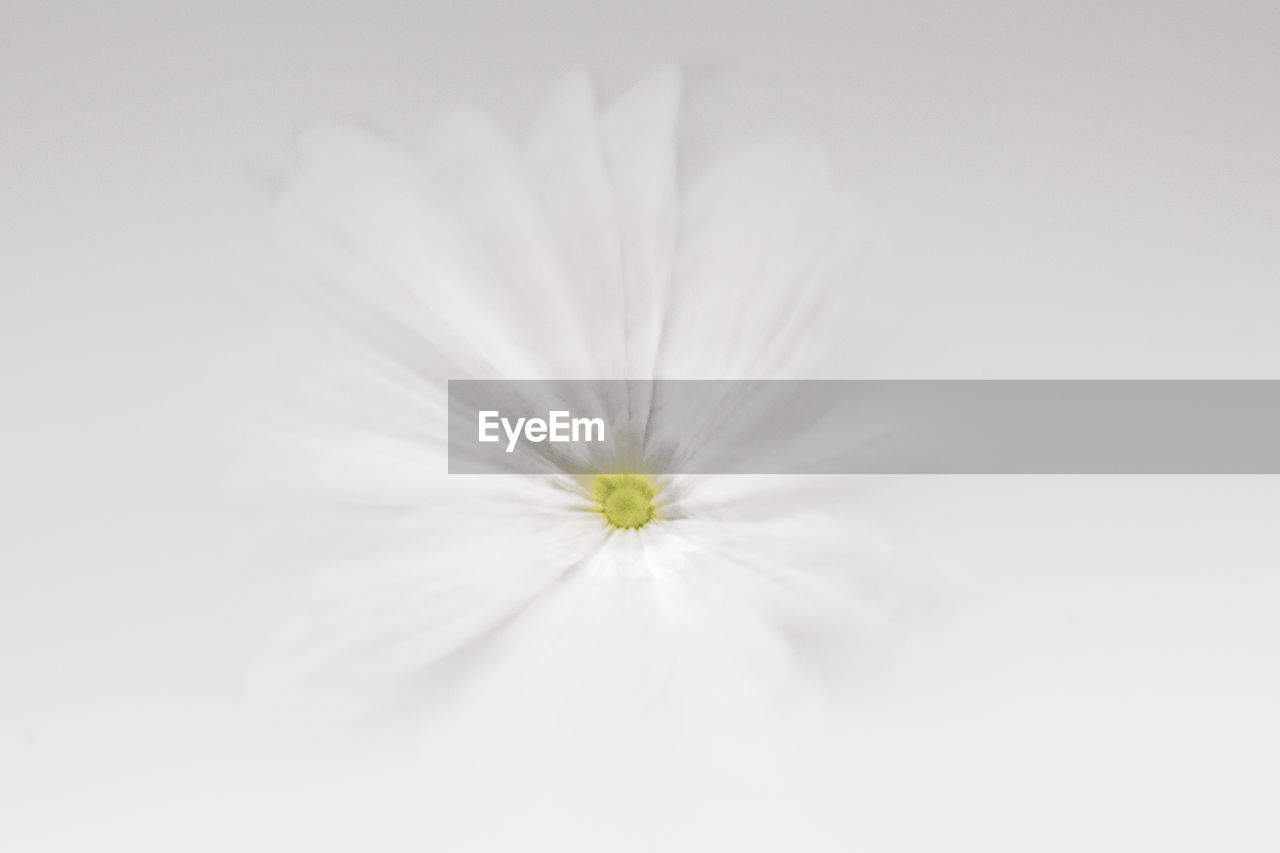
625,500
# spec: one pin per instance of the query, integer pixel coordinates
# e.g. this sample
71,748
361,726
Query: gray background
1051,190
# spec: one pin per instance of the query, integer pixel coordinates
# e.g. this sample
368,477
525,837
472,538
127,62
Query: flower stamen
625,500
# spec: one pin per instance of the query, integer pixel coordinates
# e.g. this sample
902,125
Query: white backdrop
1050,190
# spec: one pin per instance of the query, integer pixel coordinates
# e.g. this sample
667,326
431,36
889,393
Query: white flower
585,253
